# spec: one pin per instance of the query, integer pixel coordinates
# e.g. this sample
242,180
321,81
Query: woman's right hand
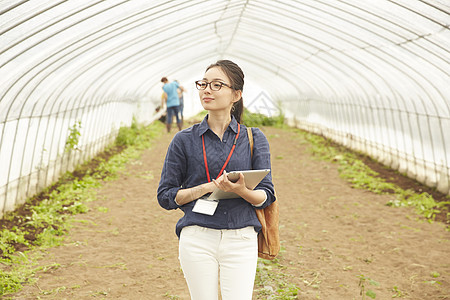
188,195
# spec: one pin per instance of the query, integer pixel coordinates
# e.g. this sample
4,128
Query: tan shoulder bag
268,237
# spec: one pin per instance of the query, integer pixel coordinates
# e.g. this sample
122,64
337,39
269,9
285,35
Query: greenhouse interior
372,76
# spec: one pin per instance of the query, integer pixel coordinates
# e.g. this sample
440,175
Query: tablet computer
252,178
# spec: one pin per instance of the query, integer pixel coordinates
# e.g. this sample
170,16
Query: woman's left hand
226,185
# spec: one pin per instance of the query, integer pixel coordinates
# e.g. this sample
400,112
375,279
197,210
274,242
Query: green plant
423,203
137,137
74,137
169,296
362,285
258,120
10,238
15,270
272,282
10,282
127,135
435,274
398,293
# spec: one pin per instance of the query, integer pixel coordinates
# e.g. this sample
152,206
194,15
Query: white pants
209,255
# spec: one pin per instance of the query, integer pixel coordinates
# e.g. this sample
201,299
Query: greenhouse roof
334,50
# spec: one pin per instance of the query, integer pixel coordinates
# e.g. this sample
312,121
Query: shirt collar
205,127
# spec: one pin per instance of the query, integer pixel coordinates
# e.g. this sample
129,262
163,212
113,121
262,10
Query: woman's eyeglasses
214,85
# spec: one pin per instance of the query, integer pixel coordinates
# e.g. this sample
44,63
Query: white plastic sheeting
373,75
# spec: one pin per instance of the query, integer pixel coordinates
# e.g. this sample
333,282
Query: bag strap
250,139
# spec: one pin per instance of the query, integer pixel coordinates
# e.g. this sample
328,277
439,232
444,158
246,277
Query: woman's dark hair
236,76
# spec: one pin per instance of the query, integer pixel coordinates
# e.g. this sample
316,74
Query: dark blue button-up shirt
184,167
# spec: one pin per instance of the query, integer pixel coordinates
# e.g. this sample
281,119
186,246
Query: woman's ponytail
238,109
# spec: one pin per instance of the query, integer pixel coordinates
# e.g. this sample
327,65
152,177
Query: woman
217,243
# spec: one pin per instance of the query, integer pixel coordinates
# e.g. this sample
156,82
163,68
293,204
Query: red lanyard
228,159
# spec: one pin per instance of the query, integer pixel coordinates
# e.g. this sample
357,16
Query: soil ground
331,234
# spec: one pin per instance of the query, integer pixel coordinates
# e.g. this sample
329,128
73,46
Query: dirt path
330,233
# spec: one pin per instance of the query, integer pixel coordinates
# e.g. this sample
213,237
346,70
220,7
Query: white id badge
205,206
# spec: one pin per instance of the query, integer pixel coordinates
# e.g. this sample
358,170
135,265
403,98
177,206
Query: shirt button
224,212
224,140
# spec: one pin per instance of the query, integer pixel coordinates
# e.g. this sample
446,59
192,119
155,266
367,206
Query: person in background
218,243
172,102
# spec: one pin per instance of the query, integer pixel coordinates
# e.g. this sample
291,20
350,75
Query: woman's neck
218,123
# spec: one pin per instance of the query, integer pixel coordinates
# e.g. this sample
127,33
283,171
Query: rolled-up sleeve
172,174
261,160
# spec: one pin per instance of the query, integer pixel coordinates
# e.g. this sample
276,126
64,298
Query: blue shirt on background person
231,213
171,89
